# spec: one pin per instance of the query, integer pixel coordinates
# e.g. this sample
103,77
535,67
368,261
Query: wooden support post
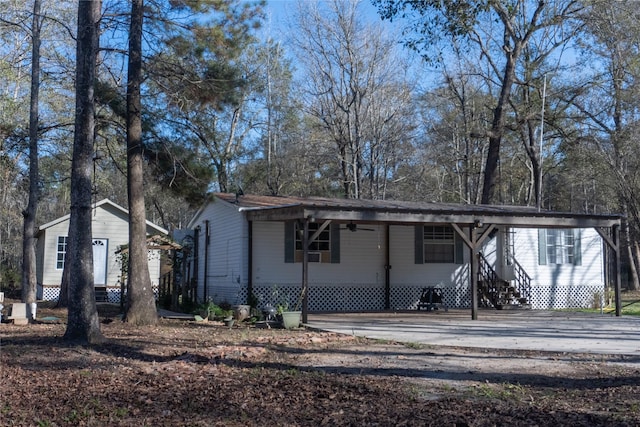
474,273
616,251
305,271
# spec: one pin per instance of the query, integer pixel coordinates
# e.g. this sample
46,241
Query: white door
100,262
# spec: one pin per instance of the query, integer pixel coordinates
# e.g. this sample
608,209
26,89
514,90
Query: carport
474,224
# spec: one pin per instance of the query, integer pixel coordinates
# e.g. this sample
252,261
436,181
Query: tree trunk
141,307
29,214
83,325
633,252
63,297
497,129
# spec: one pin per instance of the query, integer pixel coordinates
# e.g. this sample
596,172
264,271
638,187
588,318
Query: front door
100,262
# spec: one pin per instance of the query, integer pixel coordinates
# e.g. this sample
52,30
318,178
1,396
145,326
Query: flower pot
291,319
229,321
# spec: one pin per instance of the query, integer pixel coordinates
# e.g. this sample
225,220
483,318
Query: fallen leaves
180,373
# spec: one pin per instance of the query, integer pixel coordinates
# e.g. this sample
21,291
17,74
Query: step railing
497,292
522,282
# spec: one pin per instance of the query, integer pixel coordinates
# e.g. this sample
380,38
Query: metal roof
279,208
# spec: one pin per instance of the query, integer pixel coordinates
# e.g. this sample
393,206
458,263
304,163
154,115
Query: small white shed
110,230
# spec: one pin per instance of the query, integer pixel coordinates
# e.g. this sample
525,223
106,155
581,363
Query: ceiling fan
353,227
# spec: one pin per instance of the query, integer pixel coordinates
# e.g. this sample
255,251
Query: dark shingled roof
392,211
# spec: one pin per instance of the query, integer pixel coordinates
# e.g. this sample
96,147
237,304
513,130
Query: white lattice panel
50,293
364,297
559,297
407,297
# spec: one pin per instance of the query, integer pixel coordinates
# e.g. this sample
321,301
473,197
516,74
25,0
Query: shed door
100,262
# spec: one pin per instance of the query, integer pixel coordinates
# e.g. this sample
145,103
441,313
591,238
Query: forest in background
513,102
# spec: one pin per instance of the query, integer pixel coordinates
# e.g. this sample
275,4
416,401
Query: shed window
61,251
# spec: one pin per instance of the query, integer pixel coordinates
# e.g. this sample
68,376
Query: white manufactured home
110,232
362,255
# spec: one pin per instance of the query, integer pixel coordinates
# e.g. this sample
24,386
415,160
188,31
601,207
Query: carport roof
282,208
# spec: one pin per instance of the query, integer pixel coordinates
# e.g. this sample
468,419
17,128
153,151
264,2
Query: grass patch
630,306
415,345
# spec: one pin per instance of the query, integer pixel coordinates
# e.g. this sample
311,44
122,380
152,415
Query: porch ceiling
271,208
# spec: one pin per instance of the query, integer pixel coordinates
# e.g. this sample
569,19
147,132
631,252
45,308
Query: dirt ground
182,373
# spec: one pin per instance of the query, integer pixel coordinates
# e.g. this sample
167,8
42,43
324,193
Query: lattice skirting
355,297
571,296
51,293
352,297
365,297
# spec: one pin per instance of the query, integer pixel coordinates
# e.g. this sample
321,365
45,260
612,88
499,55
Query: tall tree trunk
29,214
497,130
63,297
141,307
83,325
634,256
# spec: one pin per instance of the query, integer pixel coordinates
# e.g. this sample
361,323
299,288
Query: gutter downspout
196,260
206,259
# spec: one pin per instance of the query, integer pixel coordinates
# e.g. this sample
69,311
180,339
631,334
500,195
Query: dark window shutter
577,247
289,241
335,243
542,246
419,244
459,248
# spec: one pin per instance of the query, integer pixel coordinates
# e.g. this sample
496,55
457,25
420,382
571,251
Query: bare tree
83,325
607,107
354,91
29,214
497,32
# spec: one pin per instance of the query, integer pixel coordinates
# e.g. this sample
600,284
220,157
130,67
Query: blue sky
279,10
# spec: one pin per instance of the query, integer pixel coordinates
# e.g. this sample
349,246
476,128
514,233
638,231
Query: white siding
405,271
361,258
227,266
107,223
51,276
591,270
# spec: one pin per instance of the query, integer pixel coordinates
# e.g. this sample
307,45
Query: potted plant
208,310
289,318
228,318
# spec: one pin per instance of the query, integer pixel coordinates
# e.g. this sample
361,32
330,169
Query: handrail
522,279
501,292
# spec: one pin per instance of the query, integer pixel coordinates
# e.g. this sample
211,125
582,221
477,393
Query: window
322,243
439,244
61,251
324,248
509,244
559,246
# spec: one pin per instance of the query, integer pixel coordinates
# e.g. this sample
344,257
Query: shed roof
280,208
103,203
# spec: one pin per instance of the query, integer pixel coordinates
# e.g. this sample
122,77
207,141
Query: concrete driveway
517,330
